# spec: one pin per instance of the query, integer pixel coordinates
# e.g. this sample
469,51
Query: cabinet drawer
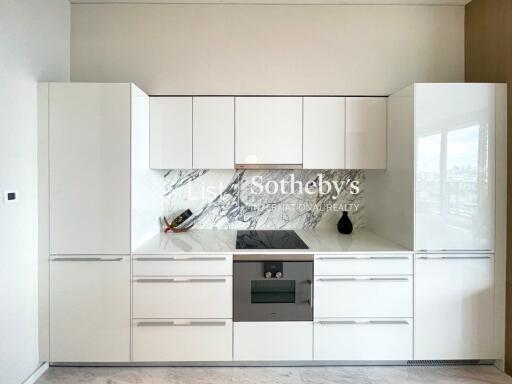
367,264
363,296
363,339
183,265
273,341
183,297
182,340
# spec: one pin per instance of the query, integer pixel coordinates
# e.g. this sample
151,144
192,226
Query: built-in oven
273,287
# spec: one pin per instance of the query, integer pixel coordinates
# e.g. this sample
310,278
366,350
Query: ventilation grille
443,362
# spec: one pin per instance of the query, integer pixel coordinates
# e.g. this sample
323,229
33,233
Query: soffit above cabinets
280,2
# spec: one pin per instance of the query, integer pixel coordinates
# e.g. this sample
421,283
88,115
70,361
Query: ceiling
353,2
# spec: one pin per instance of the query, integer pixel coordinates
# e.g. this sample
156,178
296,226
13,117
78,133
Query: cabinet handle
370,322
365,258
180,280
181,323
185,258
365,279
87,258
453,257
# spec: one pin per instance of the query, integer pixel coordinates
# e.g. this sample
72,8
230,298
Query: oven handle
310,300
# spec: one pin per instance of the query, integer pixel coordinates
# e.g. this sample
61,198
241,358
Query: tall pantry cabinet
96,137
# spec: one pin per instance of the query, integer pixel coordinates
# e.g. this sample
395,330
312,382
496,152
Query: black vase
344,224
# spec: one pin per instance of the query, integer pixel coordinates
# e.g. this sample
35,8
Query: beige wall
267,49
489,59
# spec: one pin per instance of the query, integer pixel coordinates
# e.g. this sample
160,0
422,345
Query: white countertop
224,241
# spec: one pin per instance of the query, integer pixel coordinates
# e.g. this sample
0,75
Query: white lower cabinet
363,339
182,340
90,308
273,341
363,296
454,307
183,297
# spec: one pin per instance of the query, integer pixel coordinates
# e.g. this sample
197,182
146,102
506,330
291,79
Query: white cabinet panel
363,339
214,133
268,341
89,155
170,132
183,265
90,309
183,297
324,132
268,130
364,264
454,142
363,296
454,307
366,133
182,340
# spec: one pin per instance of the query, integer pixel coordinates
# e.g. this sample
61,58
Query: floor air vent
443,362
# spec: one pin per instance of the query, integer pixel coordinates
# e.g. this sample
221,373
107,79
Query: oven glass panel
272,291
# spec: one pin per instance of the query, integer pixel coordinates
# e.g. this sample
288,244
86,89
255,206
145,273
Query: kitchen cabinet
183,265
90,308
268,341
213,133
89,168
455,166
366,127
363,339
363,296
454,307
324,132
364,264
268,131
170,132
182,340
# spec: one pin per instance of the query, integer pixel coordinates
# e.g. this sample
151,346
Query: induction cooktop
269,239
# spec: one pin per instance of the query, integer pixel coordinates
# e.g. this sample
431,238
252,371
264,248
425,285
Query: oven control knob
279,275
268,275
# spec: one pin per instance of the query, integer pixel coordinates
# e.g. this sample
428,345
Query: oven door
256,298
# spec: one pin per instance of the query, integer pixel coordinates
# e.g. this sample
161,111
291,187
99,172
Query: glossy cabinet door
454,170
214,133
89,168
268,130
454,307
366,126
170,126
90,308
324,132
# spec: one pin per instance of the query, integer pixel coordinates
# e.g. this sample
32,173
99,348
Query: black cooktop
269,239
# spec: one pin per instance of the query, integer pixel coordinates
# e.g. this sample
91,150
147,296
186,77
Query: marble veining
274,375
227,199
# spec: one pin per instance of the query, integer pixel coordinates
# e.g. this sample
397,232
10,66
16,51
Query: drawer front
273,341
368,264
183,265
363,296
182,340
363,339
183,297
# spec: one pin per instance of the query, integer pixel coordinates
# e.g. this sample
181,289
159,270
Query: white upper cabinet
268,130
214,133
324,132
171,132
454,176
454,307
89,167
366,128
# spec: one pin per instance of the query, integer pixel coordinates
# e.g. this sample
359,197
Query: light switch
10,196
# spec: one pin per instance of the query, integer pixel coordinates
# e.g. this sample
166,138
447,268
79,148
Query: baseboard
37,373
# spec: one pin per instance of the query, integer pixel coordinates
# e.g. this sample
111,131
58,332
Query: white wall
34,46
267,49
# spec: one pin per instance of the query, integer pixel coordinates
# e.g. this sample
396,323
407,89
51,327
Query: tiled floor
299,375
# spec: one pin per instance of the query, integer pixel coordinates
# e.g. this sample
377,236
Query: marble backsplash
264,199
